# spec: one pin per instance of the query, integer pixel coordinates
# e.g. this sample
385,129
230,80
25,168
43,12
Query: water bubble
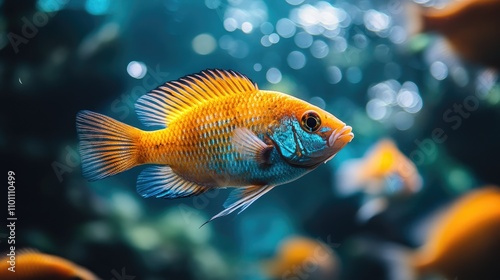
204,44
285,28
376,109
318,101
397,34
49,6
385,91
264,40
97,7
257,67
334,74
273,75
296,60
137,69
339,44
409,98
303,40
439,70
403,120
230,24
294,2
460,76
246,27
376,21
212,4
274,38
266,28
406,99
319,49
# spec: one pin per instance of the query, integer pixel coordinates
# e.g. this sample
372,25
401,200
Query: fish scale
217,130
206,147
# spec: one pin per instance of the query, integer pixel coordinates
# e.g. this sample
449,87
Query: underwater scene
250,139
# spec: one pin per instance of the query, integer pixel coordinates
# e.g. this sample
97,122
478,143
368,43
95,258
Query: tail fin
107,146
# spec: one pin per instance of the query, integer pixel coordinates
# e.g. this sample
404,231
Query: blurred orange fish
303,258
217,130
383,169
470,26
383,172
465,242
30,264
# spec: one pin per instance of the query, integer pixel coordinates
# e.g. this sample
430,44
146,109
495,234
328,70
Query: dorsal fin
170,100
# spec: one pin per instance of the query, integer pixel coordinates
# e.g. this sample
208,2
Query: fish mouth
338,139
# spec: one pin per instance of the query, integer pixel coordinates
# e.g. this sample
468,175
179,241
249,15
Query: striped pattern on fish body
217,130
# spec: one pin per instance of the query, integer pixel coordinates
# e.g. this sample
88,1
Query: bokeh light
296,60
273,75
50,6
97,7
204,44
137,69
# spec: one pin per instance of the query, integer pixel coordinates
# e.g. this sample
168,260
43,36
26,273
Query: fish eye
310,121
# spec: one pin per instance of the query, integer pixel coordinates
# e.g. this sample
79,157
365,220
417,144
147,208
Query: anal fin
163,182
241,198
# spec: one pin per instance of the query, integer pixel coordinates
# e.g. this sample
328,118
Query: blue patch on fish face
298,146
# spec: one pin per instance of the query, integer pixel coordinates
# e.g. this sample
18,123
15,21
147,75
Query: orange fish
470,26
465,242
303,258
217,130
383,169
30,264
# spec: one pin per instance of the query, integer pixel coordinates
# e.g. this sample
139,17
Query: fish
383,173
383,169
464,241
469,26
216,129
32,264
301,257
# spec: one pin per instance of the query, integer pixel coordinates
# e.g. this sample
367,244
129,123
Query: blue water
355,59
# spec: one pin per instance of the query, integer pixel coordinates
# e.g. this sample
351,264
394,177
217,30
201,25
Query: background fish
384,169
301,257
464,242
219,130
470,26
31,264
383,173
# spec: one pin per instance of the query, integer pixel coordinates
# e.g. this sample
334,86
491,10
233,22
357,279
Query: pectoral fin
241,198
251,146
